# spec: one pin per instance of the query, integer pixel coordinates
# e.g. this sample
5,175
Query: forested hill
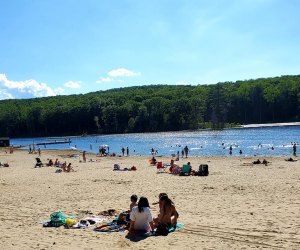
154,108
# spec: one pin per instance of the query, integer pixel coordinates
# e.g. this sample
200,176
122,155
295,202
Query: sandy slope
238,206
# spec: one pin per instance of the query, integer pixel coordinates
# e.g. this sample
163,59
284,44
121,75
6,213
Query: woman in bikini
168,213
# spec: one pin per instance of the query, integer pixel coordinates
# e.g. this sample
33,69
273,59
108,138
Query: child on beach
125,216
133,203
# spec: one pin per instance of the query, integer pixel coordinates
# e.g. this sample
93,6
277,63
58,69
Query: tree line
154,108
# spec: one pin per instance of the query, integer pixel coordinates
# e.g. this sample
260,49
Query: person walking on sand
84,156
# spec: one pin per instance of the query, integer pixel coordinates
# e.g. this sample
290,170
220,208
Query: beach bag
58,219
203,170
162,229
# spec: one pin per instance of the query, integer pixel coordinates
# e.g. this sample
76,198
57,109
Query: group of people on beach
173,167
123,151
33,151
141,219
64,167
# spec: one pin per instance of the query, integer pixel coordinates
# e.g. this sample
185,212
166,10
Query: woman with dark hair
140,217
168,214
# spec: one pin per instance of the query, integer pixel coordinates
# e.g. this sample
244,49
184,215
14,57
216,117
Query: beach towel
86,222
111,227
178,226
154,233
94,219
133,168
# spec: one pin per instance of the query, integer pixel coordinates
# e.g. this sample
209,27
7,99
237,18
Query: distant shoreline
261,125
258,125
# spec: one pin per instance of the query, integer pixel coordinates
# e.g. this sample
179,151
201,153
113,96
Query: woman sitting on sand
68,168
57,163
257,162
140,217
174,168
168,213
50,163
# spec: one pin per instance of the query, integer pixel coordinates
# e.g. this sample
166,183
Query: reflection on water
253,141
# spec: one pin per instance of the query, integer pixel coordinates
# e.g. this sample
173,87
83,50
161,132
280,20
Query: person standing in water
186,151
294,149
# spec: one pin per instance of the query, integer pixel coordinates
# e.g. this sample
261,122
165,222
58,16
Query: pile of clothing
58,219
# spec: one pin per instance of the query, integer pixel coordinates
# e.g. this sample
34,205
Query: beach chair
38,163
186,170
160,167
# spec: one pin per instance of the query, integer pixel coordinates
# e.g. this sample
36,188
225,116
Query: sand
238,206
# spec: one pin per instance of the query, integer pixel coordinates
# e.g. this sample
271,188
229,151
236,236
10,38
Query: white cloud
72,85
27,88
104,79
5,95
122,72
116,73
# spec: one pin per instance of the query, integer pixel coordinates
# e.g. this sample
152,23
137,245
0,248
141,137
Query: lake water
252,141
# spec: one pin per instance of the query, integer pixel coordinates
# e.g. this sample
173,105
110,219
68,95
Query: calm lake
267,141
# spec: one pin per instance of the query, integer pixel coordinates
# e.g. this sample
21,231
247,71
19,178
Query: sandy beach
238,206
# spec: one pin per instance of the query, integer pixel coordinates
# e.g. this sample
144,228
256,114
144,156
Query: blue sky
51,47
